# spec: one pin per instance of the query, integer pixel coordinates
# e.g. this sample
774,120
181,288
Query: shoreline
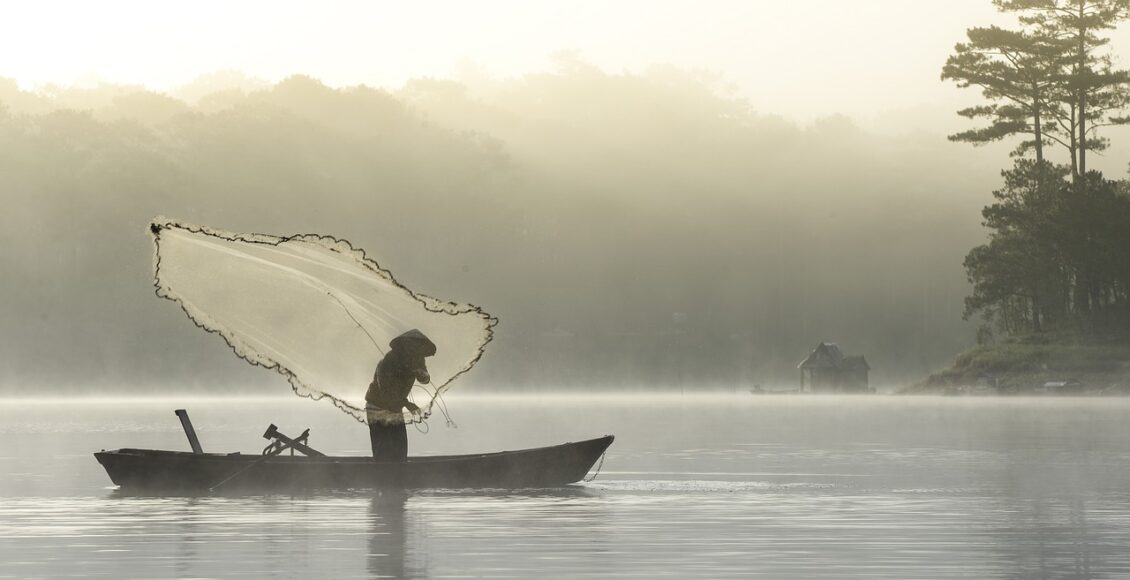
1039,365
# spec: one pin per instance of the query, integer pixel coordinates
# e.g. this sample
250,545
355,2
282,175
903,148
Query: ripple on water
859,488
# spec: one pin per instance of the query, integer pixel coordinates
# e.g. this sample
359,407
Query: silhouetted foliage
1084,80
628,229
1057,254
1016,71
1055,258
1049,80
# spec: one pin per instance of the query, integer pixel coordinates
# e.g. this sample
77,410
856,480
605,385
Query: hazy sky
798,58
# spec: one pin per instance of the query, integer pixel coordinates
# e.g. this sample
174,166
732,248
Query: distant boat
757,390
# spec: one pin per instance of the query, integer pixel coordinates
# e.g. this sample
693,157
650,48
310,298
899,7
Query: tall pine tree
1086,83
1055,249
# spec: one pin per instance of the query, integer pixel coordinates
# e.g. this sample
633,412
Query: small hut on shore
827,370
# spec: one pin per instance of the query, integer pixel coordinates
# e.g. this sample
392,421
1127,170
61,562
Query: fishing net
313,308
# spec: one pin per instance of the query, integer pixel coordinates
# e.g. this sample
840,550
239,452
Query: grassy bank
1025,364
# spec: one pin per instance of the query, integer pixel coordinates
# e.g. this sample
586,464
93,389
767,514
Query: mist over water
694,486
665,221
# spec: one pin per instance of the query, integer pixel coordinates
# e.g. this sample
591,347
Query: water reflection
488,525
1058,515
188,538
389,554
1050,538
864,488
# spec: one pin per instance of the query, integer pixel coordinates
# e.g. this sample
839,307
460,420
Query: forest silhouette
629,230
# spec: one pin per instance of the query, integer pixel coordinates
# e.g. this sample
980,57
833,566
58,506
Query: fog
711,487
783,56
644,210
667,205
628,230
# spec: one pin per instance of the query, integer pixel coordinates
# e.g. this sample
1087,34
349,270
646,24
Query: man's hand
412,407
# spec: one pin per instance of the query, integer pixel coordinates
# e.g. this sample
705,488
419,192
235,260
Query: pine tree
1016,72
1087,86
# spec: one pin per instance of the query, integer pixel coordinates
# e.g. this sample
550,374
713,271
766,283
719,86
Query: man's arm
421,374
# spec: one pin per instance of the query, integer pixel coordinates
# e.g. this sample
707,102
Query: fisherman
387,396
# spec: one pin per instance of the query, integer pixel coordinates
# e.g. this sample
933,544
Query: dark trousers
389,441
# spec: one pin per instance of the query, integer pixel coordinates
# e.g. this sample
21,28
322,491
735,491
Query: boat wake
700,486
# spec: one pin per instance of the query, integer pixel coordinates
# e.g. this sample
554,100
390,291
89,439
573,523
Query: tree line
1058,255
629,230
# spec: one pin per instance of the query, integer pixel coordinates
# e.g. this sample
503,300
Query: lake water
709,487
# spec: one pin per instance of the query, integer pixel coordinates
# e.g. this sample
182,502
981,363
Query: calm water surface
711,487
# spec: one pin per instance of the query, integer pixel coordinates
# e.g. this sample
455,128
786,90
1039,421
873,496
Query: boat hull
147,469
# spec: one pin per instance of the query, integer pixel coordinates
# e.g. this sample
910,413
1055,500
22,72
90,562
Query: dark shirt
393,380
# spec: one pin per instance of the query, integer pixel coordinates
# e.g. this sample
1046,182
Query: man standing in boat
387,396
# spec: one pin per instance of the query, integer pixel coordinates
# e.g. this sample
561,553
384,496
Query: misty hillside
628,230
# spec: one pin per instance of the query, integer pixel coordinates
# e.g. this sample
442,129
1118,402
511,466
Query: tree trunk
1039,133
1081,294
1082,80
1073,146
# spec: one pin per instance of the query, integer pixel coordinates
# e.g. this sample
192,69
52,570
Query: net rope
313,308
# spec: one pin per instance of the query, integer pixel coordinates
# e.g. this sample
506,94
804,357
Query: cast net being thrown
313,308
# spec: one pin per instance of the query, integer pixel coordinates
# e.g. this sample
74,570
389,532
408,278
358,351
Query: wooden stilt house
827,370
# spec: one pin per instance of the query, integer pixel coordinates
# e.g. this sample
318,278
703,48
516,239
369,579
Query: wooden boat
148,469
